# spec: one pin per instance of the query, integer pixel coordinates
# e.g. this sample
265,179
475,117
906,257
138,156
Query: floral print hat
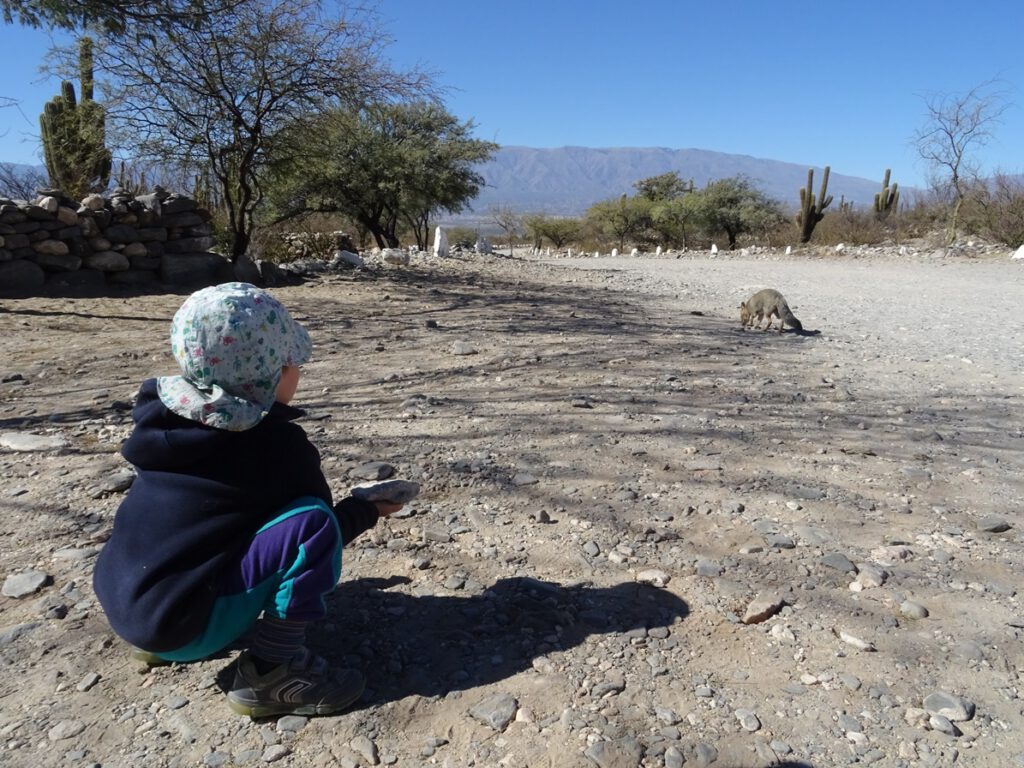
231,341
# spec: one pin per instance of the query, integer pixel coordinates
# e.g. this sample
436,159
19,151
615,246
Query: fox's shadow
431,645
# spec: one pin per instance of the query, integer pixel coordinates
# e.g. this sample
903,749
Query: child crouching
230,515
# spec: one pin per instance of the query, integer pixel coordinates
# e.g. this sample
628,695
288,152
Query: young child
230,515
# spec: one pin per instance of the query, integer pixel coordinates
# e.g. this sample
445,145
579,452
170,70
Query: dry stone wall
122,240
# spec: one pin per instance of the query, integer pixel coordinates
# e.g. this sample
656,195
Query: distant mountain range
568,180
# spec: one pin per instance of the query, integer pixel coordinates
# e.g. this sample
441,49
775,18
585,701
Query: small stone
784,633
118,482
839,561
88,682
365,746
620,753
956,708
993,524
853,640
763,607
708,569
292,723
870,575
850,681
275,752
24,584
913,610
373,470
653,576
943,725
496,711
703,465
22,441
463,348
779,541
65,729
748,720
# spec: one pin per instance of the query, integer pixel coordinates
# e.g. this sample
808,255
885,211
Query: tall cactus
812,209
888,199
74,134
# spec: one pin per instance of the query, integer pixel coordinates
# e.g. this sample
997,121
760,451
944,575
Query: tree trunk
954,220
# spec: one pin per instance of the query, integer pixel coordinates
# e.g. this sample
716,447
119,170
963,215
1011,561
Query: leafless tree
20,182
956,126
213,95
510,222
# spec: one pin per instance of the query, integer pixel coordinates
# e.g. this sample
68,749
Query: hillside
567,180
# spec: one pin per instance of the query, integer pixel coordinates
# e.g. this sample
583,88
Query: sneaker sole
257,710
147,658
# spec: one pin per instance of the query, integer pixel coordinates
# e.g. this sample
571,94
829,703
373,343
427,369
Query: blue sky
838,83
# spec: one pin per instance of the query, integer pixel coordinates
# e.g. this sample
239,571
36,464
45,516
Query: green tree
734,206
673,220
213,95
559,231
957,125
666,186
625,218
382,165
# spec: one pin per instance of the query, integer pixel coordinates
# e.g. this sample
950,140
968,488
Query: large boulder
58,262
191,269
19,275
107,261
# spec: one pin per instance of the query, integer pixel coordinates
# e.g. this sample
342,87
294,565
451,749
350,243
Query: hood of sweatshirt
164,441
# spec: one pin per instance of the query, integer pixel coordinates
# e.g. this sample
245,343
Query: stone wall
120,240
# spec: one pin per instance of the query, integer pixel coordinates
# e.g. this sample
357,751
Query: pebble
653,576
956,708
913,610
20,585
118,481
66,729
993,524
839,561
496,711
23,441
372,470
367,748
780,541
88,682
748,720
275,752
869,575
621,753
763,607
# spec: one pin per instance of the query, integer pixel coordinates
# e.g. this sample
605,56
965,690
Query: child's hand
387,508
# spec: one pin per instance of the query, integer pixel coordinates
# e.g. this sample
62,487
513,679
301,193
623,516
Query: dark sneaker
303,686
147,658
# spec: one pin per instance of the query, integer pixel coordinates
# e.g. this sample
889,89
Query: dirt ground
646,537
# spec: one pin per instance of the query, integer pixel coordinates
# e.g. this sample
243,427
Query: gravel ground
646,537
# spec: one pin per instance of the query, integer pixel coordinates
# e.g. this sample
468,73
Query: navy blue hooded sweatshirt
200,495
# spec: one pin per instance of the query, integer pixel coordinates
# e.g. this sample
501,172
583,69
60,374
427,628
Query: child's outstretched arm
371,501
355,516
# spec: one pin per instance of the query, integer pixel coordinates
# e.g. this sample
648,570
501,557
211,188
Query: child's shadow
431,645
